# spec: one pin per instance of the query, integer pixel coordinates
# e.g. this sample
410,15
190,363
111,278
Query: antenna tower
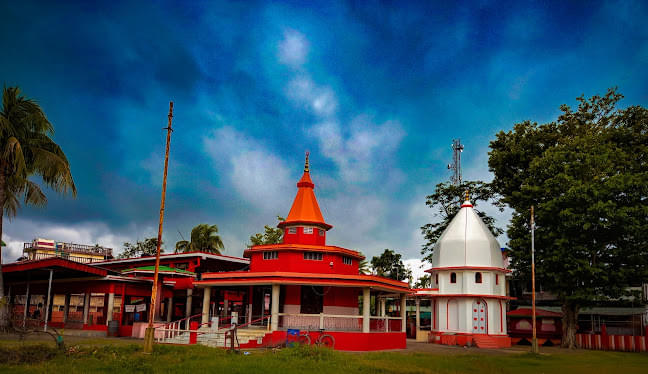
457,148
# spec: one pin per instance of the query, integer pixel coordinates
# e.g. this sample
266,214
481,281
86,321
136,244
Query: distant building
39,249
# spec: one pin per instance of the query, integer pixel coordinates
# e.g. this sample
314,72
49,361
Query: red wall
301,238
345,341
293,261
338,296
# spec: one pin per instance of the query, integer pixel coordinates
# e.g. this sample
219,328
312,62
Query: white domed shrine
468,276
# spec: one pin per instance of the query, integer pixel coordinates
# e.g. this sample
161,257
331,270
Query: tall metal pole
534,342
150,330
49,294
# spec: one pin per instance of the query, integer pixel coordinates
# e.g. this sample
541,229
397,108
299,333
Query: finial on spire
467,194
306,163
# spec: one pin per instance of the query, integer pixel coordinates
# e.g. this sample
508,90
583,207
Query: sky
376,91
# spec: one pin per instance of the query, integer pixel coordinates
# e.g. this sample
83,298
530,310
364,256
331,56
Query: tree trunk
4,302
569,325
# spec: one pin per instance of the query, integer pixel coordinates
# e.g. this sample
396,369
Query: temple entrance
479,317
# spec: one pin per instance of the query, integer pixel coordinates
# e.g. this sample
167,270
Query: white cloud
258,176
418,268
21,231
320,100
293,48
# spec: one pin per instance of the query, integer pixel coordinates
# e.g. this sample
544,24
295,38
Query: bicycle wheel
326,340
304,339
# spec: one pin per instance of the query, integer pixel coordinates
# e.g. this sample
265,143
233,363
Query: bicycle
325,340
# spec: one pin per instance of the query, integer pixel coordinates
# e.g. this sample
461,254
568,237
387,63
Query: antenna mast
457,148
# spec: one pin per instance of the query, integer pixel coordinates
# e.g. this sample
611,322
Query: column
418,316
49,294
66,307
274,308
403,312
366,308
169,308
206,302
86,307
250,304
383,303
111,306
188,307
27,302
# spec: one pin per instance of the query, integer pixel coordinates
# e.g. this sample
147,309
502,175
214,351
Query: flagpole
534,342
149,336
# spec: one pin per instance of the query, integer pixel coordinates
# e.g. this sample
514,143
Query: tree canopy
446,202
204,238
587,176
147,247
271,235
26,151
390,265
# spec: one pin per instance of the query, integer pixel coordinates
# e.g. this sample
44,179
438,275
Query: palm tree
363,267
26,150
204,238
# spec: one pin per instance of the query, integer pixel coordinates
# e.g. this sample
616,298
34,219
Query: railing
330,322
385,324
172,329
83,260
73,248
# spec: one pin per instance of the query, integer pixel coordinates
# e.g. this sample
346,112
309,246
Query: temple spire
306,163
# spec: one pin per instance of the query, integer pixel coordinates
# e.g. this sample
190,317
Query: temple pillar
110,308
403,312
250,304
169,309
188,304
206,303
66,307
274,308
383,303
418,316
27,302
366,309
86,307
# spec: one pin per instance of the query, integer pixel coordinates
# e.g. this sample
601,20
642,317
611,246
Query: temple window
436,278
347,260
496,279
317,256
478,277
292,230
453,277
308,230
270,255
321,232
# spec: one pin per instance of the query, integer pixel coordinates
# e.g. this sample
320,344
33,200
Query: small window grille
308,230
453,277
316,256
270,255
292,230
321,232
478,277
347,260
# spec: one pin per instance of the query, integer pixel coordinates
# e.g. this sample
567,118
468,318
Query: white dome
467,241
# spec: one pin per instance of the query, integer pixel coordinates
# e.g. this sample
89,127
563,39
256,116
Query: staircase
485,341
217,338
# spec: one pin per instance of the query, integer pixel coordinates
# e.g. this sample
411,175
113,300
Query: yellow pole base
534,346
149,339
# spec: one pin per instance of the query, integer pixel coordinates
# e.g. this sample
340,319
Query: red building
303,283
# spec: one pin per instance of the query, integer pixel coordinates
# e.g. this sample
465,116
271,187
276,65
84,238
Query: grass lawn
99,355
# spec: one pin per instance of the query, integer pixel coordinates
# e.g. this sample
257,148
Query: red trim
447,315
492,268
170,255
53,262
475,295
527,312
303,247
325,225
345,280
501,316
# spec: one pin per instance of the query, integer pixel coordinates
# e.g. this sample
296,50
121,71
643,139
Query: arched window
436,278
478,278
453,277
496,279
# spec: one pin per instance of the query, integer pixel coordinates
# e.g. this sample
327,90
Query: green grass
123,357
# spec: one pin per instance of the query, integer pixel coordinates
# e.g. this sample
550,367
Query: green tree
204,238
272,235
147,247
446,202
390,265
363,267
424,281
26,151
587,176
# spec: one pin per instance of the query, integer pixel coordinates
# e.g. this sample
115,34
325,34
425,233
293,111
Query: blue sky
375,91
